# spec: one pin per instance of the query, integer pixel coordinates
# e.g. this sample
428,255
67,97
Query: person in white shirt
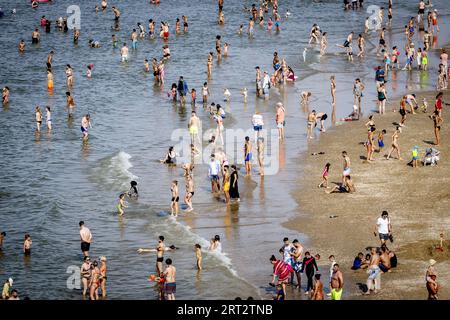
86,239
383,227
257,122
213,174
266,85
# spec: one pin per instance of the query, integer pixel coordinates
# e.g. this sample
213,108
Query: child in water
89,70
198,254
193,96
121,205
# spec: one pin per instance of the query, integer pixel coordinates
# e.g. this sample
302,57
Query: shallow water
51,181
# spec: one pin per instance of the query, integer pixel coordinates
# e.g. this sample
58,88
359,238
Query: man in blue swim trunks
248,155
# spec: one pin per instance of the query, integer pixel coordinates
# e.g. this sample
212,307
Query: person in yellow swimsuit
49,79
226,183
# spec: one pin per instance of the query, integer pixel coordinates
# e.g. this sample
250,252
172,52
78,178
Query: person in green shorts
337,283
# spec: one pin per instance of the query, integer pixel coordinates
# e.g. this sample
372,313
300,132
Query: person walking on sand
383,227
86,238
337,283
381,99
297,258
395,145
309,264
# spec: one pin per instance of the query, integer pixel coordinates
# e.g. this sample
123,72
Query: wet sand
417,201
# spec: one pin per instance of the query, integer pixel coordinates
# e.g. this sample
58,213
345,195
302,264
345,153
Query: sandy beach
417,200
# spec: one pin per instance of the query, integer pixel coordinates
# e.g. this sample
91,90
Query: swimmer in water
70,103
124,53
133,192
198,255
22,46
121,205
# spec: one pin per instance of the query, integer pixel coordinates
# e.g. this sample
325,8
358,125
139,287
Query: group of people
294,261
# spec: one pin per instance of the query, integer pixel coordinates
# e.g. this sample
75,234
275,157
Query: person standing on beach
260,150
234,188
347,169
437,121
337,283
248,156
280,120
369,144
317,293
86,238
312,118
175,198
189,192
333,90
258,81
402,111
381,99
358,88
374,279
213,174
395,145
296,255
308,265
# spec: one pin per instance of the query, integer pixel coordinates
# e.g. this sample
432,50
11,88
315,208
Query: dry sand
417,201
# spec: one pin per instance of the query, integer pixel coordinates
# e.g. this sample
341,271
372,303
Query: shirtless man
218,47
85,125
251,24
50,59
134,39
35,36
258,81
70,103
296,255
348,42
385,260
248,156
395,145
279,120
336,283
124,53
169,276
69,75
358,88
86,239
116,14
175,198
189,192
194,125
410,99
374,279
312,118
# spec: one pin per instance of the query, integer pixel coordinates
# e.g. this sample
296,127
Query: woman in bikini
103,277
38,119
369,144
175,198
95,281
395,145
85,274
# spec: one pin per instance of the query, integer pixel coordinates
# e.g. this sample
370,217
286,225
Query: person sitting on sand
347,186
358,261
431,157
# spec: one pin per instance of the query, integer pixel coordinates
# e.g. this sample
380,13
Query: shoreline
417,209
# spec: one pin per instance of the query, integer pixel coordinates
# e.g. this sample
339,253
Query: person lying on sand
346,187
